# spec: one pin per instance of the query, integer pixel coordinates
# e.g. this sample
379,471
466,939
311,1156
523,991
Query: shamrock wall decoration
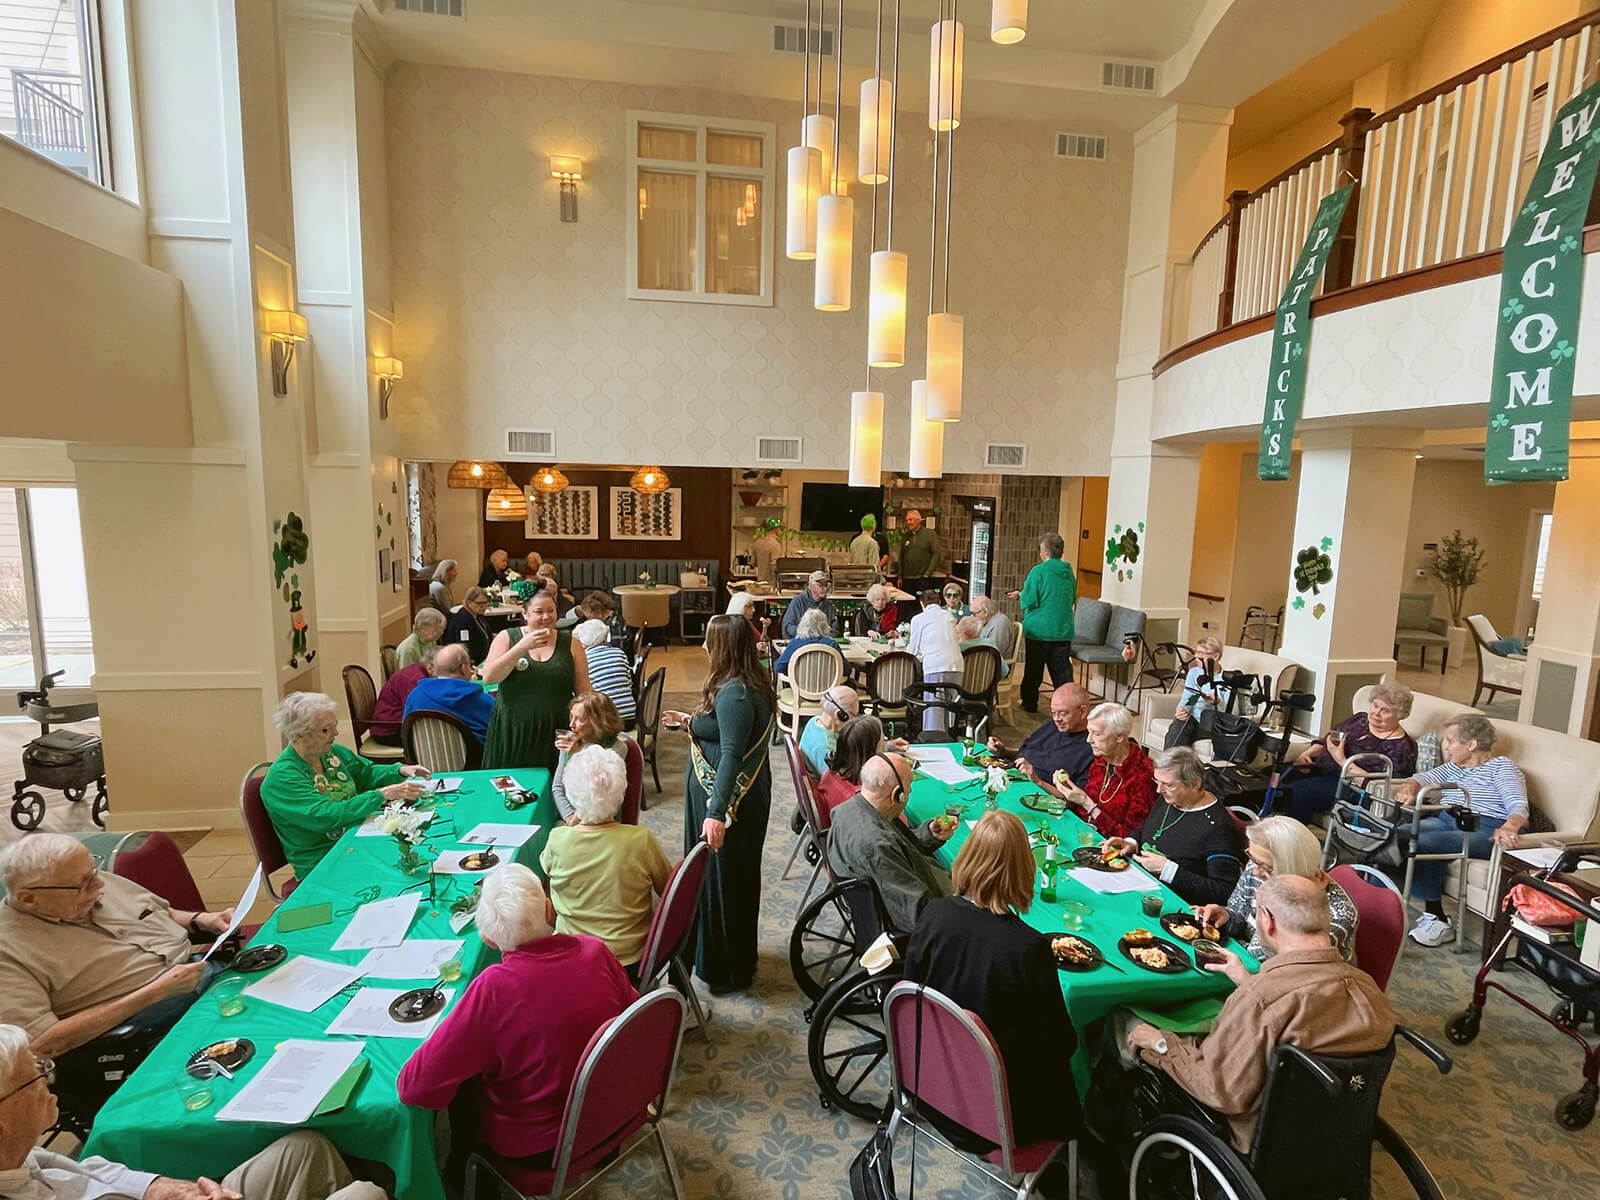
1122,549
1313,567
292,546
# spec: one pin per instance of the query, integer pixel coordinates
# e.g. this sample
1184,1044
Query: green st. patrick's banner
1541,281
1291,336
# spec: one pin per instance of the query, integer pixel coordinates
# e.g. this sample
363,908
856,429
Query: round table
660,589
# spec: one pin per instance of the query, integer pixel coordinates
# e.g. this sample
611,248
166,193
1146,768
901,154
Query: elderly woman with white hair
317,788
609,672
812,629
878,615
969,631
839,704
1315,777
427,627
1188,840
439,590
518,1031
1281,846
604,876
1119,789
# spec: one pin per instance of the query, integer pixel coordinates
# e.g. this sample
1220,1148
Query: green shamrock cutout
1327,543
1130,546
1299,602
291,547
1113,552
1312,569
1568,244
1562,349
1500,421
1513,308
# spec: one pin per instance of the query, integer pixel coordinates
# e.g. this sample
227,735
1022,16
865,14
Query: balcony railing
49,111
1437,179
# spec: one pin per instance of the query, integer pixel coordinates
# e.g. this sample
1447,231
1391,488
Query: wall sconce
568,169
285,328
389,371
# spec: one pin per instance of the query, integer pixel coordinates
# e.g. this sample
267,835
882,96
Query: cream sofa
1160,707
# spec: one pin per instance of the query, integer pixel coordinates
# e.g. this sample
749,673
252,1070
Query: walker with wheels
64,761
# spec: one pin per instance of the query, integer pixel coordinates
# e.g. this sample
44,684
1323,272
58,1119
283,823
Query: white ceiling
1053,75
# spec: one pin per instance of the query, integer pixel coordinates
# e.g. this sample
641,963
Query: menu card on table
418,958
304,984
380,923
937,762
292,1084
491,833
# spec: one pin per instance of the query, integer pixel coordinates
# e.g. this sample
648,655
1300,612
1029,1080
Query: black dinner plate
1171,920
1065,964
258,958
232,1053
1089,856
479,860
416,1005
1040,802
1177,960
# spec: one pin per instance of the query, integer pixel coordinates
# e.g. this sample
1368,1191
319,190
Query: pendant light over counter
1008,21
507,503
927,437
836,212
886,296
946,52
805,182
549,480
946,331
866,439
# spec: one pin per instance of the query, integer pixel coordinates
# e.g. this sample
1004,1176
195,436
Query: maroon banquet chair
670,929
259,829
154,862
1381,927
633,798
959,1073
614,1107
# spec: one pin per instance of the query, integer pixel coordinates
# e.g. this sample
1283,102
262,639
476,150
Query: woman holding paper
317,788
727,797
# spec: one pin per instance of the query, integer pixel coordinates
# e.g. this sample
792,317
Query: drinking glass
1086,837
196,1093
1151,903
1074,913
450,969
229,994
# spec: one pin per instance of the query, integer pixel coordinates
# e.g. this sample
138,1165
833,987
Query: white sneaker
1433,931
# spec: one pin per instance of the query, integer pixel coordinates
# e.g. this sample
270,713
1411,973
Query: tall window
703,226
44,604
49,81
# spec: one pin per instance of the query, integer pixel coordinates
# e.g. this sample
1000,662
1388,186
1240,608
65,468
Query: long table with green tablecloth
145,1123
1090,995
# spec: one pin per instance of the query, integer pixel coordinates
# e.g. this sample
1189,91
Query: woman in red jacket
1120,788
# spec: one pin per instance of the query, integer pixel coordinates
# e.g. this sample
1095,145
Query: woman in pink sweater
505,1056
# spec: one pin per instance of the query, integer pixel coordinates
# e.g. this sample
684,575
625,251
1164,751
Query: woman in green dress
317,788
539,669
727,797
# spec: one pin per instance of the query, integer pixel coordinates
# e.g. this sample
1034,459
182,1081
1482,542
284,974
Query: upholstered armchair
1415,625
1496,672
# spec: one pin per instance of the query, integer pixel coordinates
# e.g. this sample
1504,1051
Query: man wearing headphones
869,840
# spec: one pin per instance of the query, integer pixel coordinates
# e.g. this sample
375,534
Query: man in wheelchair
1305,994
868,840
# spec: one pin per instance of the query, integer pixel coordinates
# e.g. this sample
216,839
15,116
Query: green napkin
339,1094
308,917
1193,1016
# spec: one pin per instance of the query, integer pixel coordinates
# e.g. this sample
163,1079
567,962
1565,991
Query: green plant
1456,563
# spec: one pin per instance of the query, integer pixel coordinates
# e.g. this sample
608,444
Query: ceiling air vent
1080,145
1127,77
432,8
791,39
1005,458
778,449
531,443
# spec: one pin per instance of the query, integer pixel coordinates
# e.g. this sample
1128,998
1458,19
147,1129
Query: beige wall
1263,548
507,317
458,520
1450,494
1215,518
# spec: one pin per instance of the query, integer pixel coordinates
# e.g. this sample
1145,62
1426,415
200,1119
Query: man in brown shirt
81,952
1305,994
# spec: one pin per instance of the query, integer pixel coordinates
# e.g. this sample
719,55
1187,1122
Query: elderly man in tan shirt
82,951
1305,994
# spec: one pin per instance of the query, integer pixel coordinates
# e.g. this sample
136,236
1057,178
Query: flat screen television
837,507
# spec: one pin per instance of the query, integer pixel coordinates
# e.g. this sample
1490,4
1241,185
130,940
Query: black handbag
1234,738
872,1169
1188,730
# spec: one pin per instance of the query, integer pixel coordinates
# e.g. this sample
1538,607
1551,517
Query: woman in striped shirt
1498,795
608,667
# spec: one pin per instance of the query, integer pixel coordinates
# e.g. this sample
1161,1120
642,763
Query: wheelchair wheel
101,803
823,944
27,810
848,1045
1412,1167
1576,1109
1180,1159
1463,1027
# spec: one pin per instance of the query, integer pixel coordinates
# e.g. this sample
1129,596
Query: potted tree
1456,564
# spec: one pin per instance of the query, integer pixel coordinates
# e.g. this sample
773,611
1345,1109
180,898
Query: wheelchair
1313,1138
847,1044
87,1076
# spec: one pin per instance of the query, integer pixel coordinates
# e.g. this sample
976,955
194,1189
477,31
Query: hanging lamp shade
470,473
886,310
877,118
835,252
946,55
549,480
946,352
649,481
508,503
805,187
817,132
927,437
866,439
1008,21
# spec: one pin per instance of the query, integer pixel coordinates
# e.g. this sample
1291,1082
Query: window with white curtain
703,226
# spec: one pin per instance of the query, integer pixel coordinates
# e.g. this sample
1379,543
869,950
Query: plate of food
230,1055
1101,858
1187,927
1043,802
1074,953
1145,949
479,860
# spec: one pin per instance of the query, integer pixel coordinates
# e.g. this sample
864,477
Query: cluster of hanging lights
821,219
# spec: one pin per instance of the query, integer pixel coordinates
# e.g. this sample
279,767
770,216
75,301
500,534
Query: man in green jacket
1049,595
919,555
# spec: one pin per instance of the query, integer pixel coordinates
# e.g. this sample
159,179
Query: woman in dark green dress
539,669
727,796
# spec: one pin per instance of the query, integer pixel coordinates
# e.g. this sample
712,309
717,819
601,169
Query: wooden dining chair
361,697
809,674
389,659
440,741
648,720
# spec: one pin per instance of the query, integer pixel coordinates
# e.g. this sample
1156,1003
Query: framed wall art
636,517
572,514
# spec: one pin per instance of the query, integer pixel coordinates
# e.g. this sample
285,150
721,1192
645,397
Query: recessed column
1563,673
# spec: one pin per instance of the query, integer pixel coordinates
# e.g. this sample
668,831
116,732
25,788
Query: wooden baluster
1230,266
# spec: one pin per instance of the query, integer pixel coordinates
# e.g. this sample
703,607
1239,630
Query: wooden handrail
1292,169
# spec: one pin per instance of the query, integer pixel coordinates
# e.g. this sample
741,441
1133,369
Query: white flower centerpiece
994,782
405,825
644,579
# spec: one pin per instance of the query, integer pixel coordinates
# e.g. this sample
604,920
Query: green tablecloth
145,1124
1090,995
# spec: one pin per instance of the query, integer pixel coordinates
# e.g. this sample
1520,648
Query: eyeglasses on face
46,1071
83,885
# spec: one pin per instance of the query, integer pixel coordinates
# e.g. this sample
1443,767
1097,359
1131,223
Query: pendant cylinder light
927,437
946,351
946,53
817,132
877,116
866,439
1008,21
886,310
835,228
805,186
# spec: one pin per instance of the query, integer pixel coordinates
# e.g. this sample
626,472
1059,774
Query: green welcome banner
1291,334
1541,281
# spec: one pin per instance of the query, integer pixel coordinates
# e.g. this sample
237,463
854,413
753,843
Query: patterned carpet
744,1119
